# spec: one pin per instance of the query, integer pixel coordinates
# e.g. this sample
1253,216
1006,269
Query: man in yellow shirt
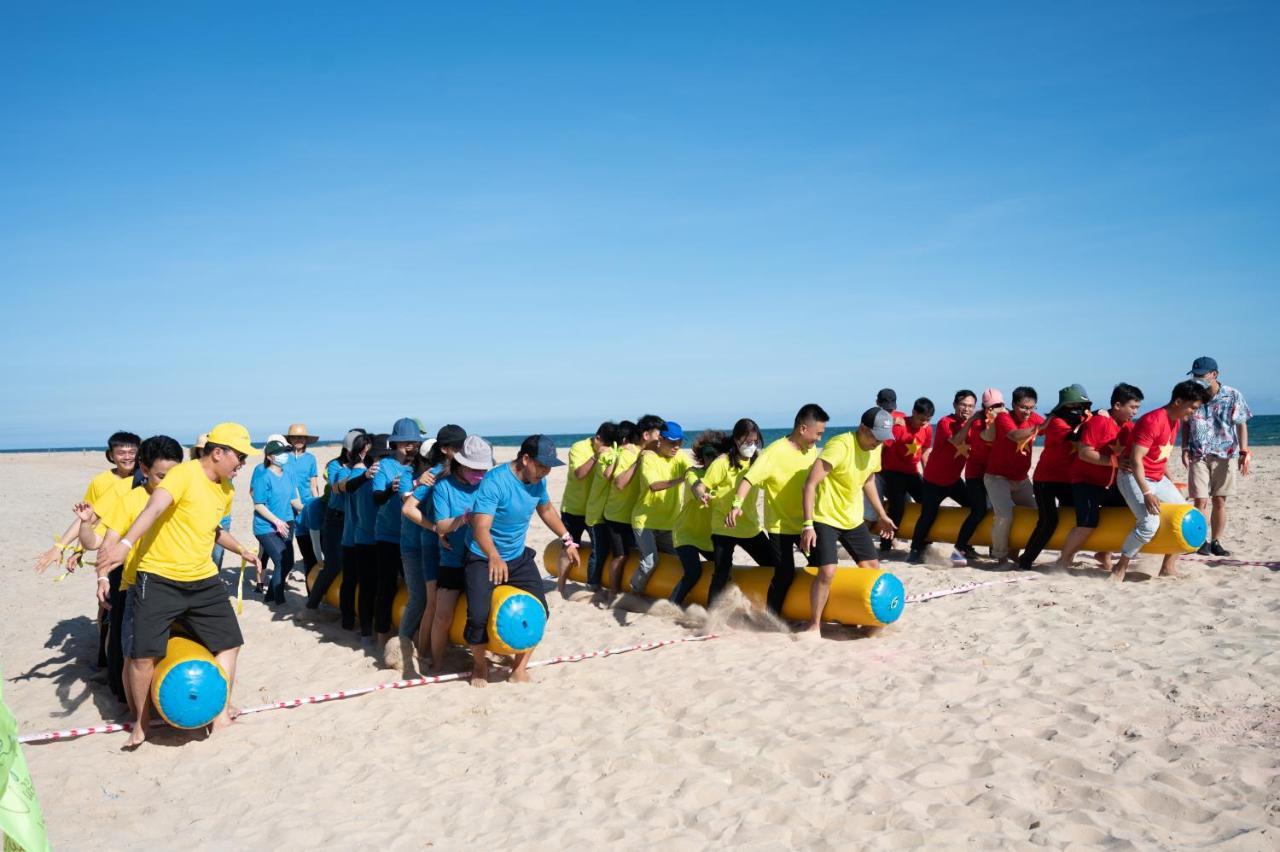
662,472
176,577
780,472
839,481
577,491
621,501
122,452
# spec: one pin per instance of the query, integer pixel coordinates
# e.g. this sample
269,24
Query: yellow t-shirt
598,493
576,490
620,502
657,510
780,471
838,502
99,487
118,509
721,480
183,545
693,524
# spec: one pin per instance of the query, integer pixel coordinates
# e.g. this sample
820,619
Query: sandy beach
1064,712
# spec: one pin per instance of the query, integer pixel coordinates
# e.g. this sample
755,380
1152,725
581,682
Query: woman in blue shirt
275,505
451,501
333,538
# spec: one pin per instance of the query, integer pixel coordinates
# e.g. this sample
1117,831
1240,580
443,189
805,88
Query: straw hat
299,430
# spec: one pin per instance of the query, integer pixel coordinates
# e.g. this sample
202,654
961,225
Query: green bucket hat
1072,395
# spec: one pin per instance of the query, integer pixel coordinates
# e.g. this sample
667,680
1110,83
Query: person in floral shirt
1215,441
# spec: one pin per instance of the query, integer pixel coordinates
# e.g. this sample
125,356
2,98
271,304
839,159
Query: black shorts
622,539
858,541
575,525
200,609
452,577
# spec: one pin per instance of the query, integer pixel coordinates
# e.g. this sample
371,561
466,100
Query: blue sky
533,216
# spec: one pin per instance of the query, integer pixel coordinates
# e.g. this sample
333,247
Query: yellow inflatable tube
189,689
1182,528
865,596
516,618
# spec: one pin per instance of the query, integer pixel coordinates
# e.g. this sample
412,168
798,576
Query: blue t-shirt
410,533
274,491
361,503
429,540
351,519
302,468
451,499
312,517
511,502
337,502
387,526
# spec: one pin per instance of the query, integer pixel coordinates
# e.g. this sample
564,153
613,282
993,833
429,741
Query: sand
1063,712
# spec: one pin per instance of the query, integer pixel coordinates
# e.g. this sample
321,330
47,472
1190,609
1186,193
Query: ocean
1264,431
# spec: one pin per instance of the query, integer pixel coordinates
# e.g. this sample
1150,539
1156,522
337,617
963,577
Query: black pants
784,569
976,499
308,552
758,548
1049,496
897,485
387,583
691,562
931,498
601,551
115,623
351,559
522,572
331,542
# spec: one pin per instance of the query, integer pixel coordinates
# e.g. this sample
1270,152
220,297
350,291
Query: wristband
567,540
737,503
808,525
106,580
128,545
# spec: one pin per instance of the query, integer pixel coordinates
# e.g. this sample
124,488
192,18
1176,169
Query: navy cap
451,435
1202,365
541,449
672,431
887,397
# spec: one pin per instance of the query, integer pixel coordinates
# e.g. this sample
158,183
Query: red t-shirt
904,452
1007,459
1158,433
1104,435
979,450
1058,454
946,462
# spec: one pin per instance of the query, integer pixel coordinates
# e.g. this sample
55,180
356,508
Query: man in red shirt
1012,435
1146,486
943,469
1051,482
901,459
978,447
1104,437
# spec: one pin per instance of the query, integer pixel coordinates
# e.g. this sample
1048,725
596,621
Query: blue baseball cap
1203,366
541,449
671,431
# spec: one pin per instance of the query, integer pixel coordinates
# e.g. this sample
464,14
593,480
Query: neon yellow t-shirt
657,510
598,493
621,501
838,501
721,480
118,509
577,490
780,471
183,545
99,487
693,524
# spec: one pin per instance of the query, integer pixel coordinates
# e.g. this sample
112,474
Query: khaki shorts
1212,476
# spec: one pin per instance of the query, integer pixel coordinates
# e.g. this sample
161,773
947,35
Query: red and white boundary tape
73,733
320,698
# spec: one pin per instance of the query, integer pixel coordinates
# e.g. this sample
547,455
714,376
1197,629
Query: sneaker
958,559
969,552
915,557
1218,550
1204,549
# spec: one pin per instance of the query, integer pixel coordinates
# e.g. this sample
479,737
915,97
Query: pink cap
991,397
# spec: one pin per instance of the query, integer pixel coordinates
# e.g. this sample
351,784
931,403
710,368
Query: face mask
280,459
748,450
473,476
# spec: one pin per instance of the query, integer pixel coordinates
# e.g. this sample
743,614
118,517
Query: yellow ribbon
244,562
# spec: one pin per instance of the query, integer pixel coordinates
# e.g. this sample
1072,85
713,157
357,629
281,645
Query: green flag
21,822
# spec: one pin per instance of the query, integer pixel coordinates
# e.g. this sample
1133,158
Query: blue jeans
416,584
277,549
